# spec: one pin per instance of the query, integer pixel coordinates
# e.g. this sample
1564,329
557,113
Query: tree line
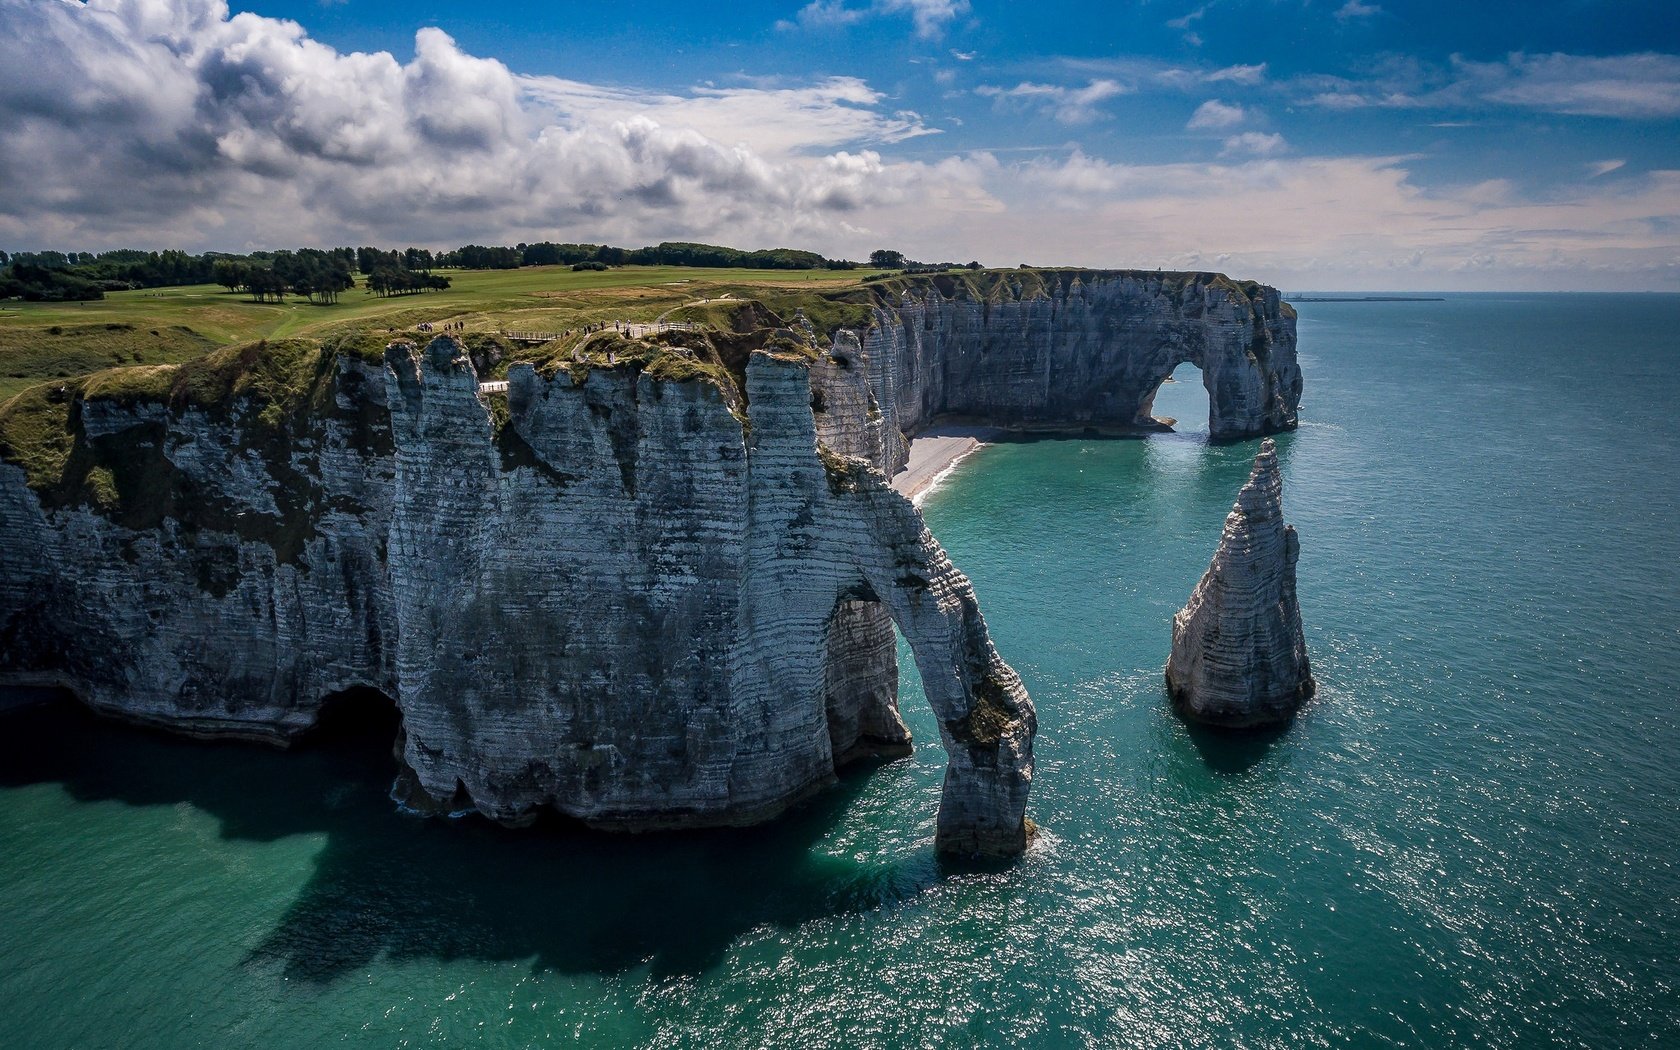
666,253
322,274
319,275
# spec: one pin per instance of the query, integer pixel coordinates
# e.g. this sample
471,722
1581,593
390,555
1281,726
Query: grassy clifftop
272,383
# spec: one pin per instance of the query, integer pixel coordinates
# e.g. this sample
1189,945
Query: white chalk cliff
643,596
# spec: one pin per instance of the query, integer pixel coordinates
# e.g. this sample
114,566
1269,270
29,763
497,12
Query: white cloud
1344,221
777,120
930,17
1067,105
1183,24
1637,87
1185,21
1255,143
822,14
1137,73
1640,86
171,122
1603,167
1355,9
1216,114
1239,74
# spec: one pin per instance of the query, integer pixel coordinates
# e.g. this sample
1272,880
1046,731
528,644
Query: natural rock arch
1146,409
650,643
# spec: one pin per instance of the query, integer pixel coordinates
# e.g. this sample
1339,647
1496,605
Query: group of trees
35,283
318,275
887,259
390,281
368,260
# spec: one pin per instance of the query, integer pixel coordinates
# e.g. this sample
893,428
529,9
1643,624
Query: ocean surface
1470,838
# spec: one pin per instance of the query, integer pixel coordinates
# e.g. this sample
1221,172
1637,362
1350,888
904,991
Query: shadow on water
388,884
1233,752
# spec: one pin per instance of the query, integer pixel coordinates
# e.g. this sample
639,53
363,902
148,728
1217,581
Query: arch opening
860,682
1181,401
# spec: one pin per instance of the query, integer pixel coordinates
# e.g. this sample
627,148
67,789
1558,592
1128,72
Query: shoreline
935,452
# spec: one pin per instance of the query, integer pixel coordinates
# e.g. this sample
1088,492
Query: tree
264,284
230,274
886,259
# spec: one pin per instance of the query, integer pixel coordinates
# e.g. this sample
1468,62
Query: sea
1469,838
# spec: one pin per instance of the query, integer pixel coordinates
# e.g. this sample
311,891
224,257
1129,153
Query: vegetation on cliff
271,385
273,393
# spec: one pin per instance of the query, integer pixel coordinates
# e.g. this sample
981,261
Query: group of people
445,326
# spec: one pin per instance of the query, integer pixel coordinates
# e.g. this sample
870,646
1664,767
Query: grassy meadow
42,341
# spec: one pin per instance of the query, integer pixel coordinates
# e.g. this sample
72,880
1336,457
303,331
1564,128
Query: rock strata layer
1239,657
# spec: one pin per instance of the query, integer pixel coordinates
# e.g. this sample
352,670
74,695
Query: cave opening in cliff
360,718
1182,401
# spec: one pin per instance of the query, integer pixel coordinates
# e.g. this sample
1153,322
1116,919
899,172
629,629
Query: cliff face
612,598
1239,657
204,584
1069,349
645,619
652,595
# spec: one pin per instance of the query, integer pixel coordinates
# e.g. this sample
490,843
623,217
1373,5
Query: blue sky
1334,144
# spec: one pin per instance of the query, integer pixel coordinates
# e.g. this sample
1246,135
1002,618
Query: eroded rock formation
1074,349
644,594
1239,658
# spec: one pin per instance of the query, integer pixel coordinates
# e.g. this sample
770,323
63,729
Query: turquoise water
1471,837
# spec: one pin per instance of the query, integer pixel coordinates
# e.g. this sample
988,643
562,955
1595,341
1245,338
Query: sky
1311,144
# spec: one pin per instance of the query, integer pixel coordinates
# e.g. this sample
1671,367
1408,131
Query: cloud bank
168,121
171,123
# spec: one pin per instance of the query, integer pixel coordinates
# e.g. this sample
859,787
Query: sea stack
1239,658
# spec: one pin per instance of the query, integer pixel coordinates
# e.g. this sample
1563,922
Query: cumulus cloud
172,121
1067,105
1215,114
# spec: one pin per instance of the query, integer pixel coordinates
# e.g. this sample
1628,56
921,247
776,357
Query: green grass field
171,325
